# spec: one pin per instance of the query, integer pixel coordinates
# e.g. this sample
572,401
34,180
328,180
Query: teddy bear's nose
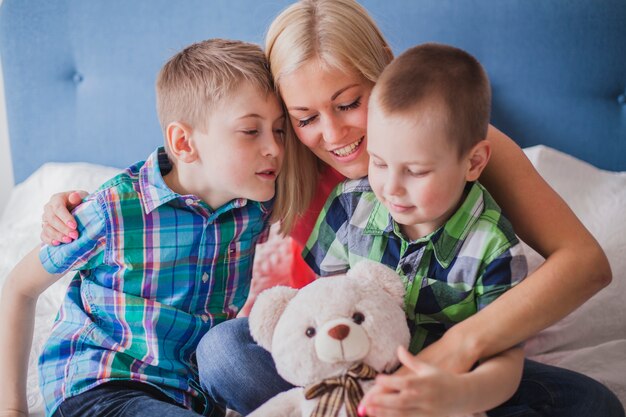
339,332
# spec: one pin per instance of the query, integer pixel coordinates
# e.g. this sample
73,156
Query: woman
325,56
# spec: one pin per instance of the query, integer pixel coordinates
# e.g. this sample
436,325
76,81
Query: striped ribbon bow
335,392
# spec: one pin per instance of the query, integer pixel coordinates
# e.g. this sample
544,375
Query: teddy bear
330,339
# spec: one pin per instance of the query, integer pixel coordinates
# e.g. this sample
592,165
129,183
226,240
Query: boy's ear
178,136
478,157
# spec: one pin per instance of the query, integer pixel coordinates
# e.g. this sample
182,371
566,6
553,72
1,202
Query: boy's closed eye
417,173
251,132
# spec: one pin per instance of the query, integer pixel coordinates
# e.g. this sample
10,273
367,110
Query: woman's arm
575,268
425,390
17,314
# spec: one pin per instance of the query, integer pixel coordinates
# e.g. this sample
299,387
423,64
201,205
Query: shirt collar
155,191
448,239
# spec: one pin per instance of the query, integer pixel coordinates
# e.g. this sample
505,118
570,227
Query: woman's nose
333,130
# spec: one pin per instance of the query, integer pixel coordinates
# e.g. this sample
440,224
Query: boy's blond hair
340,34
435,74
195,80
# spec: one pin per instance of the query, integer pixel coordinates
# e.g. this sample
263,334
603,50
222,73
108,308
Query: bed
79,104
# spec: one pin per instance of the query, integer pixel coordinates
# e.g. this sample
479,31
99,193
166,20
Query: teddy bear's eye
358,318
310,332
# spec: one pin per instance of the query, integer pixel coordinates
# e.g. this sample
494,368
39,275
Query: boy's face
414,169
241,152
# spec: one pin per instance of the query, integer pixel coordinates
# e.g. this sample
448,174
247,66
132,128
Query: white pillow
591,340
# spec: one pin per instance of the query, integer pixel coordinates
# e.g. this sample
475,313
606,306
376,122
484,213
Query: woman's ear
478,157
178,136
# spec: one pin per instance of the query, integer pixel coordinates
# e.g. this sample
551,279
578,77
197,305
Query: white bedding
592,340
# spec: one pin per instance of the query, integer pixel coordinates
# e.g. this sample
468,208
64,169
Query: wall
6,167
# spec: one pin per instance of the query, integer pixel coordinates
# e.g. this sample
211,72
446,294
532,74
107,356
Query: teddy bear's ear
379,275
267,309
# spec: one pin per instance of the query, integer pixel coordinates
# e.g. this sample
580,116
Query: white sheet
592,340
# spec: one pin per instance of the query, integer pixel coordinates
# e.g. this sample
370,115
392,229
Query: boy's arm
25,283
421,389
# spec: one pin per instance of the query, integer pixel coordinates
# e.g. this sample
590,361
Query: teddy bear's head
330,325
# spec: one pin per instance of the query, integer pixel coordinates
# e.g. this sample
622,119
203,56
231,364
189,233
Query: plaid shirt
449,275
156,271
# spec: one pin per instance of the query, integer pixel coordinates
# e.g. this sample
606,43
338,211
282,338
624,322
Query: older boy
422,212
165,249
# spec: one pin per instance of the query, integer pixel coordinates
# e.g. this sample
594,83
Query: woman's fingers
58,224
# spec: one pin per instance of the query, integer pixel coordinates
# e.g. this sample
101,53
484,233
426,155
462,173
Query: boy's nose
272,147
393,186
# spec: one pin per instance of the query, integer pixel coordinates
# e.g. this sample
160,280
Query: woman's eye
304,122
355,104
251,132
417,173
310,332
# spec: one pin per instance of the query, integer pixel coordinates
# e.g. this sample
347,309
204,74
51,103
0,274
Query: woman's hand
58,225
13,413
416,389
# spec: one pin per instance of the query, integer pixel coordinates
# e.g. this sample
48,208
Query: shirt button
407,268
189,201
205,277
204,318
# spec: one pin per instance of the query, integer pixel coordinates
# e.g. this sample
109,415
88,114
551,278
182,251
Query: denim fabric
123,399
240,375
556,392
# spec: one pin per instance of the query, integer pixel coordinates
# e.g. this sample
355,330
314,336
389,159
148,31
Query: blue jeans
123,399
240,375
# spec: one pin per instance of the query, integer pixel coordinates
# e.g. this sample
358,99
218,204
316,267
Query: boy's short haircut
194,80
441,73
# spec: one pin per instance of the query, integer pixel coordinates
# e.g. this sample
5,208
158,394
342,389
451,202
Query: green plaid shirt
449,275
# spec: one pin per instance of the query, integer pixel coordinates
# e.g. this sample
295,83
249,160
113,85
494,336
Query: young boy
422,213
165,249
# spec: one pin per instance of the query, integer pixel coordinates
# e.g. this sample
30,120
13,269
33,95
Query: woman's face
328,110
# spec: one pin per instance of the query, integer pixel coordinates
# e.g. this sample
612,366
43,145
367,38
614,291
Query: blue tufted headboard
79,75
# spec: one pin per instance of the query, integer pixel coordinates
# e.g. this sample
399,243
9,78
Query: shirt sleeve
87,251
502,273
326,251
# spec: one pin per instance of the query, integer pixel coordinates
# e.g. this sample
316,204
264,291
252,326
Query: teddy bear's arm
285,404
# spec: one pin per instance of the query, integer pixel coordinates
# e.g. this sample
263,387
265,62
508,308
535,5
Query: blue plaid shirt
156,271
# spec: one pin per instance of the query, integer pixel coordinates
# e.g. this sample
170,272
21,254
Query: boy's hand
272,266
417,389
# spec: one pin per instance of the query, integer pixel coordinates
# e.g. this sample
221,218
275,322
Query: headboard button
621,99
77,78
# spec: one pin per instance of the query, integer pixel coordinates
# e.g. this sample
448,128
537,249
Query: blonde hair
194,80
197,78
338,33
